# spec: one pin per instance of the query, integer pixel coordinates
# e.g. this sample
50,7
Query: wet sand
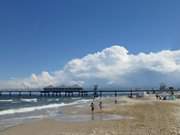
145,116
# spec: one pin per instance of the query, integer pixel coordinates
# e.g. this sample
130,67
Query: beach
138,116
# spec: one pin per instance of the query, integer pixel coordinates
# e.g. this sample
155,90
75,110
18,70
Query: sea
17,110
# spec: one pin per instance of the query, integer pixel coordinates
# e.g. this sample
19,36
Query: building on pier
64,88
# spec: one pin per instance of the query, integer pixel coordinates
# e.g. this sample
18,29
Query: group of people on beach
166,97
93,106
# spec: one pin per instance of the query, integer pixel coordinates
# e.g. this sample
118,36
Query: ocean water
18,110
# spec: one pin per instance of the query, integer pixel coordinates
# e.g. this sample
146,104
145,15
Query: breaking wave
36,108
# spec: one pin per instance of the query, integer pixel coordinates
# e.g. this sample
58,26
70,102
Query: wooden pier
76,93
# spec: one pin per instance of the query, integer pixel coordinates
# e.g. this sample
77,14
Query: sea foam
29,100
8,100
30,109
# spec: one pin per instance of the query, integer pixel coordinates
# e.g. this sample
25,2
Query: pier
77,93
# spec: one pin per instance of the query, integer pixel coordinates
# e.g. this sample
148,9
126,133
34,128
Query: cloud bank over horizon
113,66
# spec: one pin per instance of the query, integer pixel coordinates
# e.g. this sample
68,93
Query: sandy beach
143,116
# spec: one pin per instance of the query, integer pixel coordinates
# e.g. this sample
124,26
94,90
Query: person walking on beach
92,107
100,105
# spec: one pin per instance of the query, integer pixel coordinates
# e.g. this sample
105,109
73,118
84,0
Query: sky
40,38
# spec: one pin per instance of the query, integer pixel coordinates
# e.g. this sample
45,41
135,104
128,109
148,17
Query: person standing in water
92,107
115,101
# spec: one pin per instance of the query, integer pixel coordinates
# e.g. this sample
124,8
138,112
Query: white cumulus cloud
111,66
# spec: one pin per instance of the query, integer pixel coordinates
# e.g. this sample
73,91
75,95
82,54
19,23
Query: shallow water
90,117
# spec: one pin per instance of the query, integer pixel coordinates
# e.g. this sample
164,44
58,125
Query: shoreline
144,115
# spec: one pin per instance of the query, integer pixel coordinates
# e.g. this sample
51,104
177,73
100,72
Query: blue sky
39,35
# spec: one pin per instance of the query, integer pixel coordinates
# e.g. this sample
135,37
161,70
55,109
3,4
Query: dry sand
147,117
